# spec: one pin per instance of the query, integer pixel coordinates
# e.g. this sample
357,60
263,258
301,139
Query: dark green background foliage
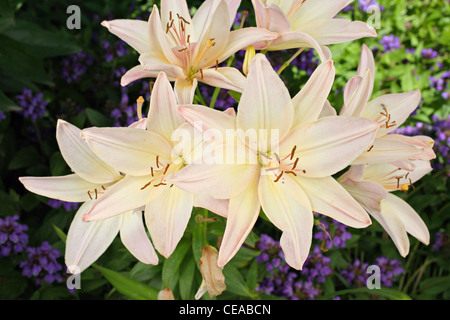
33,42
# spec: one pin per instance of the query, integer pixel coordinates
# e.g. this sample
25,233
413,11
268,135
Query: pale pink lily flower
149,158
86,241
188,49
289,177
371,185
307,23
389,111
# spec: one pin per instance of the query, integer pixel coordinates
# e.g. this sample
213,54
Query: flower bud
166,294
213,279
249,55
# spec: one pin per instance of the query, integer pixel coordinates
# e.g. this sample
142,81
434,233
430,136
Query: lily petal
265,103
329,198
185,90
242,214
289,209
332,31
222,181
125,195
163,117
135,239
87,241
167,214
133,32
136,73
203,118
369,194
318,9
218,206
320,154
130,150
151,63
308,103
70,188
398,105
413,223
226,78
356,94
80,157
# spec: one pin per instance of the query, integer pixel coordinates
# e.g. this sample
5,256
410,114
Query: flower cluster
68,206
13,238
442,241
276,152
33,105
74,66
337,238
390,42
440,83
357,273
42,265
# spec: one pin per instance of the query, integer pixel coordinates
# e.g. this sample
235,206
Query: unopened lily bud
249,55
166,294
213,279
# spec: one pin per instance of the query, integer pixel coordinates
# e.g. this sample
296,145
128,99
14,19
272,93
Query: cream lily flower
149,158
86,241
188,50
390,111
307,23
372,185
289,177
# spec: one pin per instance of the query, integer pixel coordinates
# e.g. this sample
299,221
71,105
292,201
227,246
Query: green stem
287,63
418,273
214,97
199,96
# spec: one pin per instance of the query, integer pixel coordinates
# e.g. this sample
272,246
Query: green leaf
391,294
235,95
60,234
252,275
7,104
24,158
97,118
172,265
235,282
128,287
187,279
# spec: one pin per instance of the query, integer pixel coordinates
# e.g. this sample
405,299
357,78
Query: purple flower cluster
356,274
112,51
442,240
333,238
307,61
68,206
285,282
364,5
74,66
42,264
440,83
439,130
2,116
33,106
429,53
390,42
389,271
13,239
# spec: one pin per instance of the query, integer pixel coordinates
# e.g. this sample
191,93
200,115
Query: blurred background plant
48,72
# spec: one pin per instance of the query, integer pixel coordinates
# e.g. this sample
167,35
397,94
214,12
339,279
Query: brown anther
183,19
181,50
151,169
279,177
169,25
295,164
160,184
171,186
188,38
146,185
167,168
217,64
293,152
103,188
157,161
96,194
89,194
170,15
292,172
410,183
371,147
304,171
201,73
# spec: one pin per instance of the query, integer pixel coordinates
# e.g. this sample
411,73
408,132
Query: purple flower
390,42
13,239
118,50
389,270
2,116
307,61
355,275
441,241
317,266
68,206
42,265
339,237
33,106
75,66
429,53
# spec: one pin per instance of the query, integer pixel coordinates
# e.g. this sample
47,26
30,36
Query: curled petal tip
105,24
